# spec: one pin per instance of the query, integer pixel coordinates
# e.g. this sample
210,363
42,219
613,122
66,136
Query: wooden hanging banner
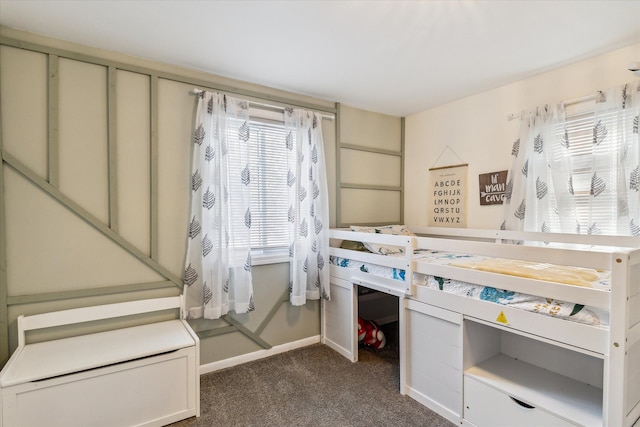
492,187
448,196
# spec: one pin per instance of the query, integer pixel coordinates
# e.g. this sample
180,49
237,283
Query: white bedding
546,306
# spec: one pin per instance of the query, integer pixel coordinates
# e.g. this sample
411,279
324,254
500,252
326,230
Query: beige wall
478,133
102,163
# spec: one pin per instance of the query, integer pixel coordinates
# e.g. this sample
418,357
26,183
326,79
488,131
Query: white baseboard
256,355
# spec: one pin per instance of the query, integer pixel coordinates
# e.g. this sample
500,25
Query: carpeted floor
312,386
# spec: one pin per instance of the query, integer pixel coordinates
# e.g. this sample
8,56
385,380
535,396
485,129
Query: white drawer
485,406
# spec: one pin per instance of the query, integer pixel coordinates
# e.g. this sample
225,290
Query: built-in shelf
561,396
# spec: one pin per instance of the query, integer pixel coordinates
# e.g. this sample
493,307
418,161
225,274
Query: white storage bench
141,375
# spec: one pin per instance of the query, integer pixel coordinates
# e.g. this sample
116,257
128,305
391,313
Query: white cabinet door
434,358
339,319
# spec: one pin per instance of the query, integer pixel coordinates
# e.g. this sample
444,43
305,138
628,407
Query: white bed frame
479,363
146,375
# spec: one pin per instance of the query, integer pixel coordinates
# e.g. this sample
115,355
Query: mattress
546,306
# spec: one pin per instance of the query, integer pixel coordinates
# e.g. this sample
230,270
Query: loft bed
584,309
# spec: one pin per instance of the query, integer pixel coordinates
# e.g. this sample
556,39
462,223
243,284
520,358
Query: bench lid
53,358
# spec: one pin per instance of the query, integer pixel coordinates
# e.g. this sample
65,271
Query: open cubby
556,380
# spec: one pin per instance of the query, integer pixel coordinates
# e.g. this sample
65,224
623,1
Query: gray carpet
311,386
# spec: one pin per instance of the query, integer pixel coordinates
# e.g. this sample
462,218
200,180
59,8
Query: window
268,185
268,173
578,171
268,189
580,132
583,156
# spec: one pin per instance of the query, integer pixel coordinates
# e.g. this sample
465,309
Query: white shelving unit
529,382
555,394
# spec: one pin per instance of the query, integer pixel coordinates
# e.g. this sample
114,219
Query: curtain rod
196,91
573,101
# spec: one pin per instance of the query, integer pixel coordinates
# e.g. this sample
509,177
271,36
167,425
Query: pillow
353,246
376,248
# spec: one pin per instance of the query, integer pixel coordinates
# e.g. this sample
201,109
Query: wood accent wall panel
94,191
380,170
74,131
24,106
362,206
83,149
369,129
176,108
370,162
133,158
61,252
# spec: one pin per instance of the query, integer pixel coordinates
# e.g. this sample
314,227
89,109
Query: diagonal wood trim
89,218
234,326
272,312
83,293
251,335
209,333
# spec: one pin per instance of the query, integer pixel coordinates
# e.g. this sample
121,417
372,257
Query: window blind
267,181
583,153
268,185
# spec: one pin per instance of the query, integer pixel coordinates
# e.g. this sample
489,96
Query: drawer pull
521,403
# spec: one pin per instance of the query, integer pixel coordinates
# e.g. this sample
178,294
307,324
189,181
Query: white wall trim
256,355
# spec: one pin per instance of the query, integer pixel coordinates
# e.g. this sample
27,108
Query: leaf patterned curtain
614,205
534,183
551,181
217,272
308,207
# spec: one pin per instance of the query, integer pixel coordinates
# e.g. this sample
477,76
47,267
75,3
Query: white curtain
535,183
614,168
551,168
218,263
308,207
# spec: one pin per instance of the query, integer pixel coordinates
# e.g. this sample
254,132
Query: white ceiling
392,57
